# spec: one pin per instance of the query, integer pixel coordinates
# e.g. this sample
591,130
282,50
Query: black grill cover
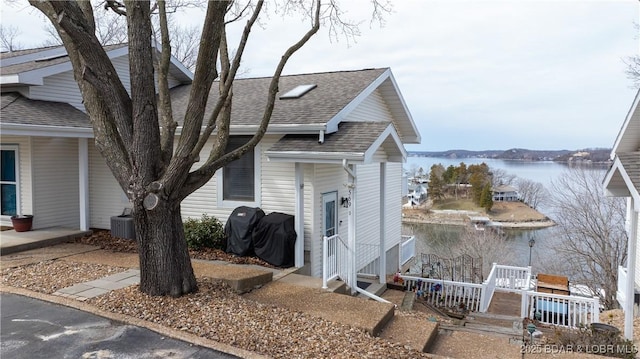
238,230
274,239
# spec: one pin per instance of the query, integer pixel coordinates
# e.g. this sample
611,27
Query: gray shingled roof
17,109
631,163
335,91
352,137
33,64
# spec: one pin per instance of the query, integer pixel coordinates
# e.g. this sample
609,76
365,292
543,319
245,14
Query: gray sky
474,74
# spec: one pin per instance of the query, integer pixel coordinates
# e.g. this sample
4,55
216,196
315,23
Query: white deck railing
622,285
368,259
561,310
513,279
488,288
407,249
335,263
505,279
445,293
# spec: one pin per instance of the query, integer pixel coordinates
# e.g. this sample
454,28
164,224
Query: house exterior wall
326,178
276,181
63,88
25,174
368,216
106,198
631,212
373,108
55,182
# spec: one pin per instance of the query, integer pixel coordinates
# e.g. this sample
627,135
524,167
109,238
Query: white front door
330,214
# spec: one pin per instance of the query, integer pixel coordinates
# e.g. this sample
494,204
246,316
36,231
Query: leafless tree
633,70
591,229
489,244
501,177
135,133
9,38
531,192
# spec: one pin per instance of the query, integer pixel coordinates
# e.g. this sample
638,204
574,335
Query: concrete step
334,286
410,332
370,316
481,328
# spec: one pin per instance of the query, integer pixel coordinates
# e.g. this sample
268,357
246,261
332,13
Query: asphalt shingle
631,163
334,91
17,109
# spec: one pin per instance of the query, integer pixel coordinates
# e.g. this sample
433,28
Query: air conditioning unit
122,226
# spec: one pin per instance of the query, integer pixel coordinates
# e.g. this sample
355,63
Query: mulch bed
103,239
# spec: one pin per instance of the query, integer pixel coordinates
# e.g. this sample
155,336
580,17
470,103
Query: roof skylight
298,91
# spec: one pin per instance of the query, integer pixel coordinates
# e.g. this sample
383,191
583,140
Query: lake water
431,236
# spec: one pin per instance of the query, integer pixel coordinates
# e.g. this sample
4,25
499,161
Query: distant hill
586,155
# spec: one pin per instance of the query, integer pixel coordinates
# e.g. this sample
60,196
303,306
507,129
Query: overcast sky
474,74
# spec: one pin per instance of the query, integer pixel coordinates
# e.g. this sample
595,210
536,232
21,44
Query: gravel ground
52,275
216,312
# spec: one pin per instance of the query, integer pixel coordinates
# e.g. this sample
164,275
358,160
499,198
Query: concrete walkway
94,288
13,242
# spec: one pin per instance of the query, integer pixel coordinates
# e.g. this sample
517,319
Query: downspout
351,224
321,140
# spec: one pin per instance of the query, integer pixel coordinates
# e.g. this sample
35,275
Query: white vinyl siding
373,108
106,198
278,183
637,239
367,213
25,195
393,206
55,182
326,178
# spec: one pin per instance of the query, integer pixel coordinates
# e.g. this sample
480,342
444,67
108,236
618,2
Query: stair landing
505,303
371,316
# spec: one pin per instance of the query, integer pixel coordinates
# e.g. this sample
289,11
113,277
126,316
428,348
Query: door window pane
8,199
8,163
8,183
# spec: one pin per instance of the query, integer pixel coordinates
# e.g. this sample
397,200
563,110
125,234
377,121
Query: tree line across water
476,182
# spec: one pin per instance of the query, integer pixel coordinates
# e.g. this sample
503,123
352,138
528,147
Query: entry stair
394,321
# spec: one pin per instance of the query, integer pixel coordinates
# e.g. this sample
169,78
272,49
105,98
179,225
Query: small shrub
206,232
588,340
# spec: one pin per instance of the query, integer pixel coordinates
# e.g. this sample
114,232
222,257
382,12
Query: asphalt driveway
31,328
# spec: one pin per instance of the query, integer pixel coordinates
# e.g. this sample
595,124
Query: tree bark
165,265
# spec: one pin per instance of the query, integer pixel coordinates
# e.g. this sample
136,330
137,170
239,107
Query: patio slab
13,242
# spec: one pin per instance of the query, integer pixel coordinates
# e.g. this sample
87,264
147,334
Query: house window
9,180
238,178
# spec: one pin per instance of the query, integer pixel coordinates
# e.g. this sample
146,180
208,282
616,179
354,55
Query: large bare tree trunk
164,256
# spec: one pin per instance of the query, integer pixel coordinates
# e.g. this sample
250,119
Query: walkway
94,288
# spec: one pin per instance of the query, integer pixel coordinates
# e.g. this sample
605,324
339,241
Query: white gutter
45,130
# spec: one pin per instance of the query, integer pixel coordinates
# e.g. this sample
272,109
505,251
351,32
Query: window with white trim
239,176
9,179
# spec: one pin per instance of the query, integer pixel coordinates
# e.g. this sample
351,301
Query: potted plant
22,222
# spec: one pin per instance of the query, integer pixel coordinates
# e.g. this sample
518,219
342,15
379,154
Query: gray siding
106,198
55,182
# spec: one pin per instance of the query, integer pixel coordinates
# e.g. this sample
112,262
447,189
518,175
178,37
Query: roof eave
315,157
628,190
45,131
630,114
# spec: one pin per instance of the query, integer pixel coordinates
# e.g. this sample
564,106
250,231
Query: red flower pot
22,223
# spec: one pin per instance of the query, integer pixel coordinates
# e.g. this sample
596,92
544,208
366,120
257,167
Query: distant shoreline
455,222
509,215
